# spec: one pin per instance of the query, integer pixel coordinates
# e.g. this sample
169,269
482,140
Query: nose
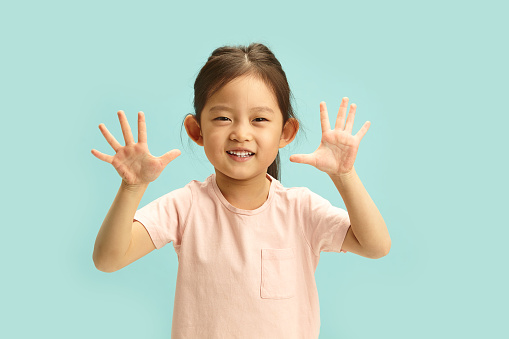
241,132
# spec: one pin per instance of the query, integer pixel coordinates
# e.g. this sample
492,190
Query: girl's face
243,117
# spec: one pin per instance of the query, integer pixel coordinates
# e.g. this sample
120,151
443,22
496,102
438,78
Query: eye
226,119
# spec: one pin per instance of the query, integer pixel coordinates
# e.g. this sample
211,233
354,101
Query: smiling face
242,115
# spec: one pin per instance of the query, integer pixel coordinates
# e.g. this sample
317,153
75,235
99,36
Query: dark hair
226,63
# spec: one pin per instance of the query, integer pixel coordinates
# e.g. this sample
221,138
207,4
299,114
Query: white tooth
241,153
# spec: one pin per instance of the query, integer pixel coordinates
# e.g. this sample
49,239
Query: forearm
115,234
366,221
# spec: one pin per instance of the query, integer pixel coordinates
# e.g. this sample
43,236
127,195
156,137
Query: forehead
246,92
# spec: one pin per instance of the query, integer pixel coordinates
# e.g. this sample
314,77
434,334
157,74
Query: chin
238,175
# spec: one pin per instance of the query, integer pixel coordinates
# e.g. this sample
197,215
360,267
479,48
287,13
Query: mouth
240,155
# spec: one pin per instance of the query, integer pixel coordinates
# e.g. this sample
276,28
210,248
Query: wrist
343,177
134,188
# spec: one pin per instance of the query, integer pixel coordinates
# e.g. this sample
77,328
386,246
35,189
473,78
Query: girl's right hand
133,161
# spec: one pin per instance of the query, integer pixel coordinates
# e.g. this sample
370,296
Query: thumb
170,156
303,159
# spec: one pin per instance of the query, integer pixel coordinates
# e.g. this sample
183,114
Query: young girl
247,246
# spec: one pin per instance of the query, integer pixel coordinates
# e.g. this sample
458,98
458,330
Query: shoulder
194,187
307,202
180,197
179,193
294,193
294,196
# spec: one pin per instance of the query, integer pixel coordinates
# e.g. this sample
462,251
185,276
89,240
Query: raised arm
368,235
120,241
116,232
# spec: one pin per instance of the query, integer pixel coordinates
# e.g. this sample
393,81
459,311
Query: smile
240,155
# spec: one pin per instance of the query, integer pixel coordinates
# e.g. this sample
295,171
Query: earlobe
193,129
289,132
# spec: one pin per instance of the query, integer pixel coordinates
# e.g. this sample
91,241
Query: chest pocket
279,273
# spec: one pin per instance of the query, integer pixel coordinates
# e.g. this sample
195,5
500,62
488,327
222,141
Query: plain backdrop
431,77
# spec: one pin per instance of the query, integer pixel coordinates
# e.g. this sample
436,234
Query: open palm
338,147
133,162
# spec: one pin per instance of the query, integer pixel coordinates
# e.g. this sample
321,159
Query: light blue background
431,78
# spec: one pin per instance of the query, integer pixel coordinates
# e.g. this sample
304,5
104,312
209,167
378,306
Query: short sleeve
165,217
325,226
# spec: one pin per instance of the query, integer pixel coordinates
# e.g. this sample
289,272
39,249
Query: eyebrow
226,108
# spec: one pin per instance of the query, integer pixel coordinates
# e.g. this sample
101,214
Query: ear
193,129
289,132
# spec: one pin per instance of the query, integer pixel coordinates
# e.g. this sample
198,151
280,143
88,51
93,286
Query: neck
248,194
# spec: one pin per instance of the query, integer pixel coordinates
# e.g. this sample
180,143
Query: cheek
212,143
275,136
271,141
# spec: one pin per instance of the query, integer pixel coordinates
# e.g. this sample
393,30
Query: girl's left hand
338,148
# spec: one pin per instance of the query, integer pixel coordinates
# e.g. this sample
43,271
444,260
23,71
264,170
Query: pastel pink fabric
245,273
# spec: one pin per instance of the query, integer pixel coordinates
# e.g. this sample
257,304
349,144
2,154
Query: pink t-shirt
245,273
